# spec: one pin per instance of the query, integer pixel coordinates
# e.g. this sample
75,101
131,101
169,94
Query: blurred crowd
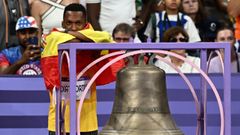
126,20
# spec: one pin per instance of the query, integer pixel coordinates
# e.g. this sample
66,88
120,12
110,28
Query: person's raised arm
36,13
234,8
79,36
93,13
144,15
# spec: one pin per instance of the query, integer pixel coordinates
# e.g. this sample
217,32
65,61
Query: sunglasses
122,39
178,39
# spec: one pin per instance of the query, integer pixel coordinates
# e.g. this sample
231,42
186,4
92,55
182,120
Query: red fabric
50,72
237,30
110,74
3,60
50,68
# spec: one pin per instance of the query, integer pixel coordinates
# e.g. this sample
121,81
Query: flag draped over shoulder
49,57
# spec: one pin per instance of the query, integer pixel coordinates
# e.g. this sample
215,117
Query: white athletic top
114,12
185,67
53,17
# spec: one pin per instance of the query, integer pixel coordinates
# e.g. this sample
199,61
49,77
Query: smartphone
33,40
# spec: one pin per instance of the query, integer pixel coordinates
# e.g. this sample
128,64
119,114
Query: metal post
72,89
227,88
203,102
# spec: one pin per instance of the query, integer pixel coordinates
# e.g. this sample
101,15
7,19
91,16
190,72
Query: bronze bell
141,104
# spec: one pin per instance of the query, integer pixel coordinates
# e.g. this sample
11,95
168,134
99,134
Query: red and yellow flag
49,58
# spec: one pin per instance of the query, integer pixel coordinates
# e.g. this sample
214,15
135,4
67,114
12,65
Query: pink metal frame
225,121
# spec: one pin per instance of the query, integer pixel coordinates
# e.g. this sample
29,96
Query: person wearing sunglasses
123,32
177,34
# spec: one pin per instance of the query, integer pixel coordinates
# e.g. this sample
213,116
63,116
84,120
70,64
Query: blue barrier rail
24,104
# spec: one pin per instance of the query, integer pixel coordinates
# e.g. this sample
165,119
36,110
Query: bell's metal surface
141,104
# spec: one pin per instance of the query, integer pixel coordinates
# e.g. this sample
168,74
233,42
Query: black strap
166,19
238,66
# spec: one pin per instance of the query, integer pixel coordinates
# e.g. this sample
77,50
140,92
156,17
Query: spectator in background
225,34
177,34
234,10
150,30
217,11
123,32
10,11
49,14
204,23
172,17
147,30
216,7
105,15
24,58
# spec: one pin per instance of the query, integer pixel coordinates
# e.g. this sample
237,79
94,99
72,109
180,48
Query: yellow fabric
97,36
52,42
88,114
56,38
